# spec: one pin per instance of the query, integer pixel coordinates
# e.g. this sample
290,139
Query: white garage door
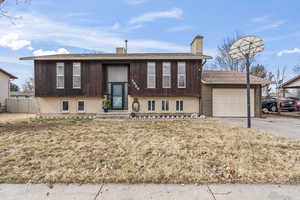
231,102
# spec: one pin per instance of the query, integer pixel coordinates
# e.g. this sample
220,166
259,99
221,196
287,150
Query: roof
289,82
129,56
230,77
8,74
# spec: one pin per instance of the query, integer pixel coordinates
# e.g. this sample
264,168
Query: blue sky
76,26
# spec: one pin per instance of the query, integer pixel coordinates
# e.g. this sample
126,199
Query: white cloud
175,13
179,28
260,19
12,41
41,52
135,2
288,51
270,26
38,28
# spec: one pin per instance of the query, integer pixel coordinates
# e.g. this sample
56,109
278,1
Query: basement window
179,105
151,105
65,106
165,105
80,106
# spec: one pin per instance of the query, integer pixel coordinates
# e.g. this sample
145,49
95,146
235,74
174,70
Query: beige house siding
257,99
4,87
51,105
190,104
207,100
294,84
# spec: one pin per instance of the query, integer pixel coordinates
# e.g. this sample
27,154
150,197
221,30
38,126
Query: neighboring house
19,94
143,83
5,79
293,83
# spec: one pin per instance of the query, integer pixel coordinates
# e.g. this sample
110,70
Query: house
293,83
141,83
5,79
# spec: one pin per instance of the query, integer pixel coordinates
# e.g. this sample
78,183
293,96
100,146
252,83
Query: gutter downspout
200,96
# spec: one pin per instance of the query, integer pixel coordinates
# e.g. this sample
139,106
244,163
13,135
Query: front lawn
189,152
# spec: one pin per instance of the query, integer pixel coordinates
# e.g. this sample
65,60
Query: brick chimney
120,50
197,45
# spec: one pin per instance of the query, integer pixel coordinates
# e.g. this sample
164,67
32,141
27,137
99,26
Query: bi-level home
141,83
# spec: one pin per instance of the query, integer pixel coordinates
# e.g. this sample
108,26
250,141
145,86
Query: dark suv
285,104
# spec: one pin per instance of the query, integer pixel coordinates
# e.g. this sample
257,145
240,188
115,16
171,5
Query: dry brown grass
194,152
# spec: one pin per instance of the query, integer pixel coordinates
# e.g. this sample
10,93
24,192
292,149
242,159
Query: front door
117,96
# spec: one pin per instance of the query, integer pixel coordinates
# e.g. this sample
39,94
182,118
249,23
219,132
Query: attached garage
224,94
231,102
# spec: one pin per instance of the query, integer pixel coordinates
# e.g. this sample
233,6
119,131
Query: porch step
113,115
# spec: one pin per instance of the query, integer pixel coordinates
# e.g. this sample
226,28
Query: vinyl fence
21,105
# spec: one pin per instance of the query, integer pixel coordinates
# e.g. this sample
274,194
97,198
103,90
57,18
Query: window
151,75
60,75
181,72
76,75
179,105
166,75
151,105
65,106
80,106
165,105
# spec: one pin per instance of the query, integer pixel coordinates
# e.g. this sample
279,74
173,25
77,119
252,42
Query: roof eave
121,58
226,83
8,74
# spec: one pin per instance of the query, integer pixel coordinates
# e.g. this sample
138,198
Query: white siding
4,87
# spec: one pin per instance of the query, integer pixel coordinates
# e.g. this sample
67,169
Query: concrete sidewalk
149,191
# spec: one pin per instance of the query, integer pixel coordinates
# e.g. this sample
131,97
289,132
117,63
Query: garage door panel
231,102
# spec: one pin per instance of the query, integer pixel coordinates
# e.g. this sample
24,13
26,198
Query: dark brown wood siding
138,73
93,79
45,79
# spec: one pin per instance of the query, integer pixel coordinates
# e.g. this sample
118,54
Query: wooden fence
21,105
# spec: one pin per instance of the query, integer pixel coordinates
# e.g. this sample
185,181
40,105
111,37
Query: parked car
297,99
285,104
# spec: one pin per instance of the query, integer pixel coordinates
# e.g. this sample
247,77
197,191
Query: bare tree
259,71
4,13
270,77
296,69
223,60
279,78
14,87
28,86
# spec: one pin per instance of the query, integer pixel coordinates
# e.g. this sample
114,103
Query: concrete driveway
282,125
